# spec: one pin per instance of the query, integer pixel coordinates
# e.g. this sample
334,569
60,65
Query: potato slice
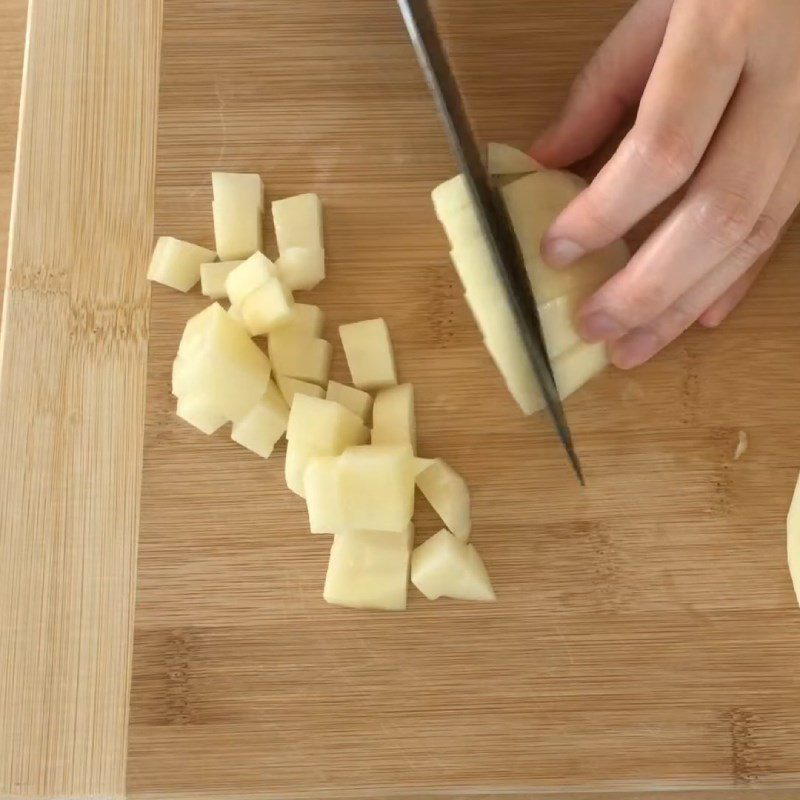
322,497
176,263
306,319
444,566
369,353
197,412
300,356
448,494
213,277
793,540
357,401
267,307
369,570
253,272
302,267
393,420
261,428
578,366
376,488
298,222
237,208
323,423
289,387
503,159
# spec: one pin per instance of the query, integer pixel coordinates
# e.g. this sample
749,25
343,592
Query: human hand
718,87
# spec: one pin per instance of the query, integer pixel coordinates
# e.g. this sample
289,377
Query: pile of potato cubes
351,450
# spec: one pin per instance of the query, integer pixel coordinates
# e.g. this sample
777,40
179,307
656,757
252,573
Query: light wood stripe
72,377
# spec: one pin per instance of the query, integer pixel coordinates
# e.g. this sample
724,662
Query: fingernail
634,349
599,327
561,252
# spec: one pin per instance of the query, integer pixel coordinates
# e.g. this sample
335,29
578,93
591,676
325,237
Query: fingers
610,84
725,212
719,311
672,132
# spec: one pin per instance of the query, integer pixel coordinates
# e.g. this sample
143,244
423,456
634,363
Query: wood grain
646,636
74,343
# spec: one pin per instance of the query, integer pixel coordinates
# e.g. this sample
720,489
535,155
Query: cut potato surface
305,319
369,353
393,420
237,208
197,412
213,277
503,159
261,428
300,356
376,488
444,566
301,267
354,399
298,455
321,493
291,386
369,571
448,494
298,222
793,540
176,263
579,365
558,325
253,272
267,307
238,187
323,423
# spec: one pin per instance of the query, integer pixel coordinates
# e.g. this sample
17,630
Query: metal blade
492,212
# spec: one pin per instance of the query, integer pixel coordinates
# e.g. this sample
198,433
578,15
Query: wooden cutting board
646,637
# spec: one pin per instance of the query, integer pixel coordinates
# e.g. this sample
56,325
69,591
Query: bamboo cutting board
646,637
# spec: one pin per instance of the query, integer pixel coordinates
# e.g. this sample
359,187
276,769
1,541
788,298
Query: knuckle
665,152
763,236
726,216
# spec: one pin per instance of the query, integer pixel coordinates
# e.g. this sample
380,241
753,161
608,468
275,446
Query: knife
491,210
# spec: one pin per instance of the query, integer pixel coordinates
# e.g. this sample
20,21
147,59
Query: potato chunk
247,277
448,494
321,493
213,277
369,353
300,356
444,566
237,207
197,412
298,222
267,307
393,420
302,267
176,263
502,159
357,401
305,319
261,428
291,386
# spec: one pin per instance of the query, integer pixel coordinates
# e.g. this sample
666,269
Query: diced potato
450,197
180,385
321,493
213,277
421,464
261,428
368,570
305,319
238,230
235,313
357,401
291,386
448,494
376,488
369,353
248,276
298,455
267,307
323,423
578,366
301,267
793,540
221,364
230,188
300,356
197,412
444,566
298,222
502,159
393,420
176,263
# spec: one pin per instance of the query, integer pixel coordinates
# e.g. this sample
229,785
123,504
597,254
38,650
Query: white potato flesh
323,423
421,464
369,353
393,420
253,272
238,230
261,428
376,488
221,364
197,412
213,277
300,356
558,325
321,493
298,455
302,267
298,222
291,386
238,187
176,263
503,159
793,540
267,307
368,571
305,319
448,494
354,399
235,313
578,366
180,384
444,566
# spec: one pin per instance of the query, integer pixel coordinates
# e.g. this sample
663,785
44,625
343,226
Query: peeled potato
300,356
357,401
261,428
177,264
393,420
251,273
298,222
237,208
197,412
289,387
321,493
448,494
213,277
267,307
793,540
503,159
369,354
